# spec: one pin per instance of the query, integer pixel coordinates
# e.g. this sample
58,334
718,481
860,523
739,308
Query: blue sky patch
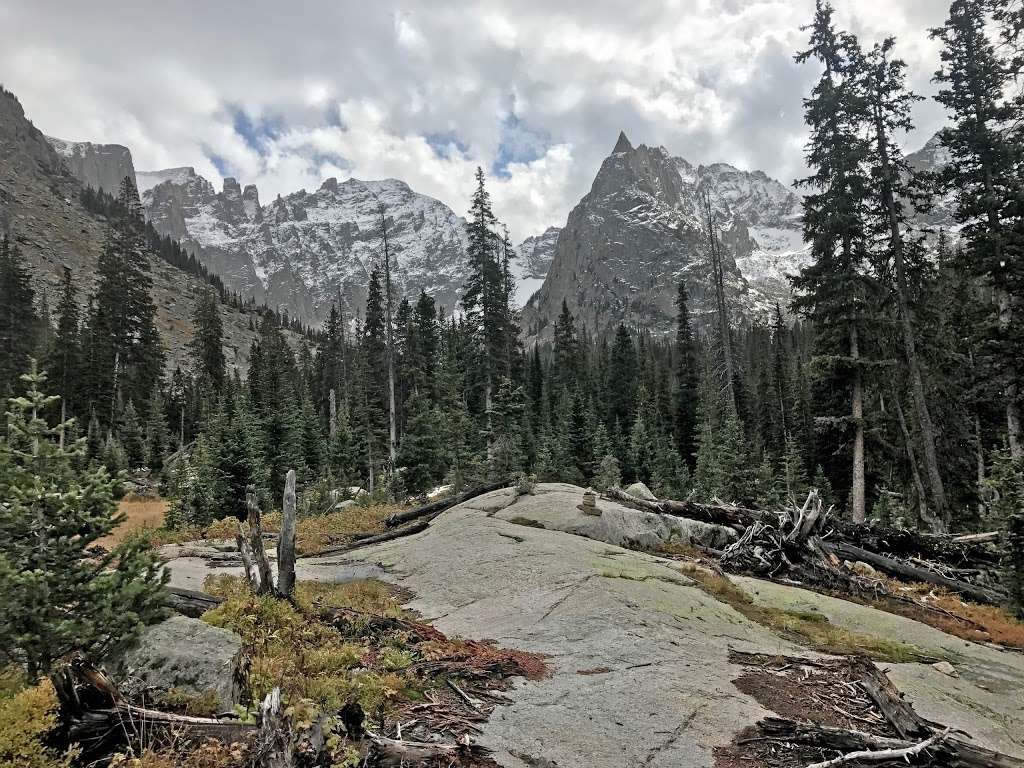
520,143
442,143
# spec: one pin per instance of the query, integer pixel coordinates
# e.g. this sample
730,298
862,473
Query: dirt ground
141,515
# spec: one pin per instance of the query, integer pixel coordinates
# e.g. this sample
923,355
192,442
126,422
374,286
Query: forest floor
643,653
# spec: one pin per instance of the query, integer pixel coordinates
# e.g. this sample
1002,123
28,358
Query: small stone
945,668
863,569
589,505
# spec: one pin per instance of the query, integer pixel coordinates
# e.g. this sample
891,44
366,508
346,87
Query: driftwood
190,603
441,504
808,545
915,573
397,752
884,755
286,540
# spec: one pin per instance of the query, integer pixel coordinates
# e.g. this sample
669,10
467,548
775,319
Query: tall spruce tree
17,317
834,291
985,170
687,380
207,345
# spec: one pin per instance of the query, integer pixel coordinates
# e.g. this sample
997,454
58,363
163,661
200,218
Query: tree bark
923,513
259,552
332,424
857,509
286,540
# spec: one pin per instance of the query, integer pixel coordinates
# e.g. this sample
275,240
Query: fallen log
442,504
721,514
949,752
379,538
397,752
190,603
913,573
898,712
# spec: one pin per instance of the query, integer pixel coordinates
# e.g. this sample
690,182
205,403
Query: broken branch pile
808,544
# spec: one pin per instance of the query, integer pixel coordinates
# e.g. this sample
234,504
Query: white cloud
422,90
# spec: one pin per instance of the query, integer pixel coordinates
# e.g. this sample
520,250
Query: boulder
184,654
641,491
342,505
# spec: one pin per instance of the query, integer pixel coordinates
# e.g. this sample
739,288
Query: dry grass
142,516
810,629
312,534
946,611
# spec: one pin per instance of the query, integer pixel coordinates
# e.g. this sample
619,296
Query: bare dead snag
259,553
286,540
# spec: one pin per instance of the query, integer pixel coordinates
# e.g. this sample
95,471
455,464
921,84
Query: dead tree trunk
332,425
857,504
286,540
259,552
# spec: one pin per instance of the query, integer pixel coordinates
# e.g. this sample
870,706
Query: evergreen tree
834,291
207,344
687,380
57,597
421,457
63,358
985,170
17,317
132,436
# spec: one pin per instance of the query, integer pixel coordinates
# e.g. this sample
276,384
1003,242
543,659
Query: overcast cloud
285,94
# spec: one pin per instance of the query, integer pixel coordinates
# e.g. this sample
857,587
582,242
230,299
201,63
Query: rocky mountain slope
640,230
39,205
306,250
100,166
532,262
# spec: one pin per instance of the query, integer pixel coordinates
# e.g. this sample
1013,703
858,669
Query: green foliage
1006,481
17,316
28,719
609,475
58,599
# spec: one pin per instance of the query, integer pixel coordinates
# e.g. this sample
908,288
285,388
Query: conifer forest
885,384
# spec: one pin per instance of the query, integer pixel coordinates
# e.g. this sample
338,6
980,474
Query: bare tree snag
259,553
286,540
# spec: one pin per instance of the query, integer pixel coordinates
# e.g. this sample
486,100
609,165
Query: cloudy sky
285,94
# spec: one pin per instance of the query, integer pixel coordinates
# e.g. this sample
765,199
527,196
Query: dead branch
884,755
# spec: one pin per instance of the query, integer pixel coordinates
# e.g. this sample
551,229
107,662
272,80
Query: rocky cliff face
39,206
640,230
306,250
100,166
532,262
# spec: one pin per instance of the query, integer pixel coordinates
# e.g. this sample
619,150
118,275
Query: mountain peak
622,145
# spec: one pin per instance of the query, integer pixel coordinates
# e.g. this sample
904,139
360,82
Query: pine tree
985,170
207,344
63,358
157,438
132,436
887,105
687,380
125,355
834,291
17,317
57,597
421,457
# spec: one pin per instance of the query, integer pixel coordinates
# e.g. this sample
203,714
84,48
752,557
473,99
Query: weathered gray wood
442,504
332,424
190,603
259,552
286,539
905,570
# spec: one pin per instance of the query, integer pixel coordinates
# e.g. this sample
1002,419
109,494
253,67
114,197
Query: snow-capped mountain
641,229
306,250
532,262
100,166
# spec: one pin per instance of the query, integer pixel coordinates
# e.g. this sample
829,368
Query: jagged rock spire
622,145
